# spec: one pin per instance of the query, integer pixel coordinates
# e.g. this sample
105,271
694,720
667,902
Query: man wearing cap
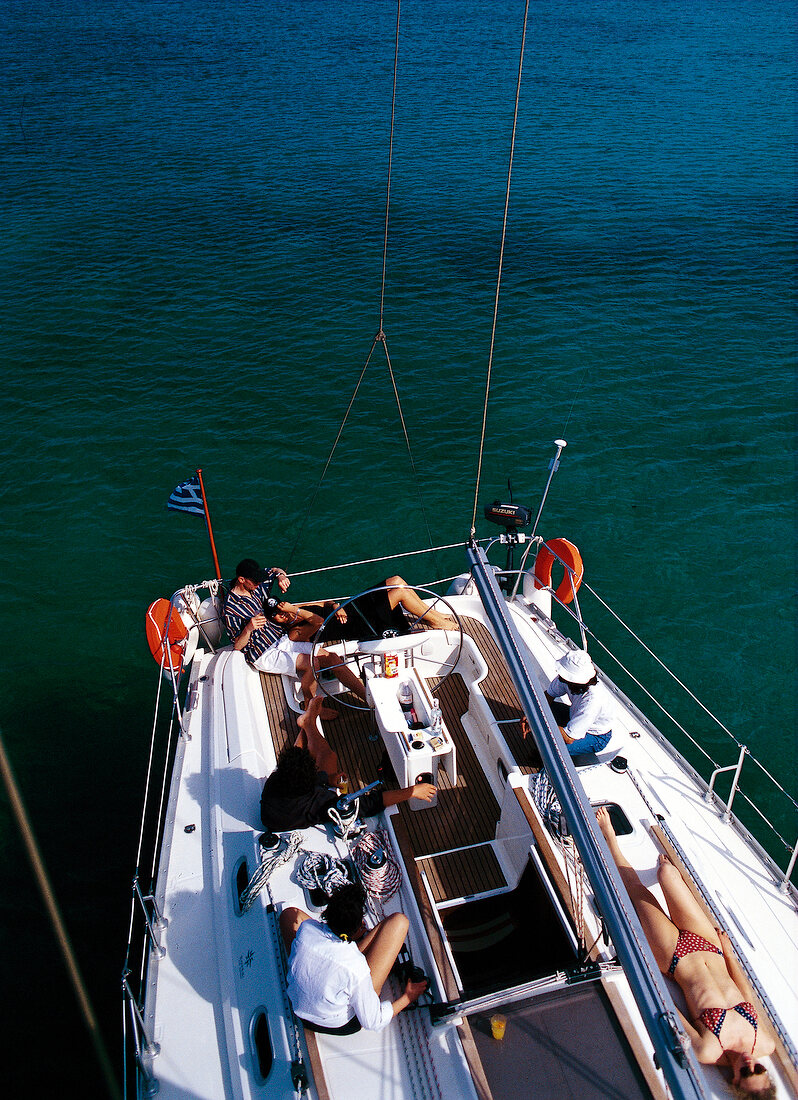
266,644
585,720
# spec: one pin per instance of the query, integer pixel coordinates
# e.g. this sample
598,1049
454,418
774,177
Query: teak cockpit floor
465,814
499,692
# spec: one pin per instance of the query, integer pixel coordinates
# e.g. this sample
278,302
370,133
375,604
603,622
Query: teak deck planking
466,814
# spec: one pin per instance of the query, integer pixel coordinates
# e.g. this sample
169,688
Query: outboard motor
512,517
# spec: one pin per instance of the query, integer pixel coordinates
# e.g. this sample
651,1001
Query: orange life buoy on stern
165,628
567,553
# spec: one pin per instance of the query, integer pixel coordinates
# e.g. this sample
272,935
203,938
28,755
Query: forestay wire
499,275
379,338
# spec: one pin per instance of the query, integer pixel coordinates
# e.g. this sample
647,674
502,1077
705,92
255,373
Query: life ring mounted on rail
167,636
567,554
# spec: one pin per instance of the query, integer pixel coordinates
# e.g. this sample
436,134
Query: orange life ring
159,635
566,552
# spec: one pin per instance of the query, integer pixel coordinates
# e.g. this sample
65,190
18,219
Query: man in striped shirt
266,644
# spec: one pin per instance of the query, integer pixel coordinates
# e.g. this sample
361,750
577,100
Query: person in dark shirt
301,789
266,644
391,605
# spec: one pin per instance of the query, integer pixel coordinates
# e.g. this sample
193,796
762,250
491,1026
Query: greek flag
187,497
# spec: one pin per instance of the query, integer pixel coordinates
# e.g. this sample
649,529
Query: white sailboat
541,980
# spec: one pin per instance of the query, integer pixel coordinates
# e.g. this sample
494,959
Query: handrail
148,1047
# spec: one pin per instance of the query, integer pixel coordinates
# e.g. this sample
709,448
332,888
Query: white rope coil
269,862
346,826
318,871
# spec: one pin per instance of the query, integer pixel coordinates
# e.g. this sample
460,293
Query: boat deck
450,841
500,694
463,822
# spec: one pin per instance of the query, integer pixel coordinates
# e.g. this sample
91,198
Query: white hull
221,970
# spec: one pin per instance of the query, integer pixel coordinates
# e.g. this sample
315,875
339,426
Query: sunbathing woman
724,1027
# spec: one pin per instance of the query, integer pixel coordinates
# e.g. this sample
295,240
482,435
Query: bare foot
316,709
605,822
433,621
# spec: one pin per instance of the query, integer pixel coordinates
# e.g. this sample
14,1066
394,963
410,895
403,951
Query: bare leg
325,659
310,738
684,909
290,920
307,681
660,930
403,594
309,687
382,944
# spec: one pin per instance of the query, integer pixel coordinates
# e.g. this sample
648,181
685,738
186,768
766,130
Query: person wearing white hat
581,706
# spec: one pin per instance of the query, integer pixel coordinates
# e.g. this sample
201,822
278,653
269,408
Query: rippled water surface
191,255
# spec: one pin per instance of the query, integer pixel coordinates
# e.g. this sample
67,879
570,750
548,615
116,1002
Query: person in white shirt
585,720
336,969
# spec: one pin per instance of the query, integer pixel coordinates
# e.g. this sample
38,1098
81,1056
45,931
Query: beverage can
390,664
343,785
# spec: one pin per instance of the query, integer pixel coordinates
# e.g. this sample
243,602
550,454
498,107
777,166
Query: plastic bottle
405,696
435,717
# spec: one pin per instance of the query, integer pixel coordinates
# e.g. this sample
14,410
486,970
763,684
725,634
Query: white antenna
554,466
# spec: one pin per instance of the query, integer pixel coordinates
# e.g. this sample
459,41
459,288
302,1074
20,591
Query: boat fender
564,551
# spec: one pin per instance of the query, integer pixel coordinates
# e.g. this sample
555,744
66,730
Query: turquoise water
191,254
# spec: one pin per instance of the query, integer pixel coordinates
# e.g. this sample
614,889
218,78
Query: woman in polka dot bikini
724,1026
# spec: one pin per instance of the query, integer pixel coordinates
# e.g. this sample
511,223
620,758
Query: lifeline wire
499,275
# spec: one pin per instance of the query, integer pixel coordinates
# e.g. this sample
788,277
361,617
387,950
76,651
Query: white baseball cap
576,667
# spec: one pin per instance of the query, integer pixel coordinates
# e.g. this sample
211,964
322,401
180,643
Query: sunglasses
748,1071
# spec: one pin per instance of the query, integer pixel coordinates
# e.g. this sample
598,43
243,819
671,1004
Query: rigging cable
379,338
499,274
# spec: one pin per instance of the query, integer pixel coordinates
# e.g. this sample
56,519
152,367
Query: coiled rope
381,883
269,862
318,871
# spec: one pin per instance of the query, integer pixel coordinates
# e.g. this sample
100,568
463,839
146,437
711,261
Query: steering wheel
389,645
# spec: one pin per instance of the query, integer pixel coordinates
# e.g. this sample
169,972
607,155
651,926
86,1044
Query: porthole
261,1045
240,882
502,771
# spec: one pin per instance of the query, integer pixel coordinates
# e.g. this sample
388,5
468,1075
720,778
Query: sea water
193,212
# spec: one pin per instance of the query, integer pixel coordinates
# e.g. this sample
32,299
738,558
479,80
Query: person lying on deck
336,969
300,790
266,644
391,605
724,1027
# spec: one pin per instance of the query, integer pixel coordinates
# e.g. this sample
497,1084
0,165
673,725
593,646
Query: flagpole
208,524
